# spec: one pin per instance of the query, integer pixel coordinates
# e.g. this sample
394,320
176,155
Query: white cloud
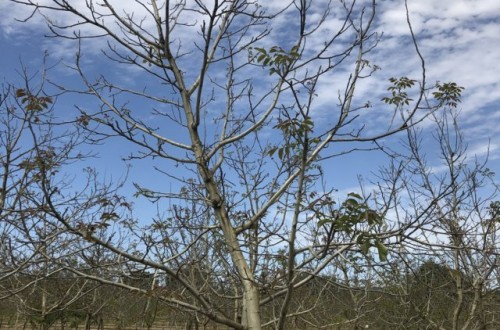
485,149
459,40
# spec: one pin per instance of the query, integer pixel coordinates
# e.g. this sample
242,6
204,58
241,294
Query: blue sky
460,41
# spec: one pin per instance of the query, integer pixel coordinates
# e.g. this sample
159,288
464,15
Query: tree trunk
251,308
251,302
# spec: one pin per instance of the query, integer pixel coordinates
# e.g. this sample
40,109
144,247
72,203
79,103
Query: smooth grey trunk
251,301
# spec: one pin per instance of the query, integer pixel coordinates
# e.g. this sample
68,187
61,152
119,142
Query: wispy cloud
459,40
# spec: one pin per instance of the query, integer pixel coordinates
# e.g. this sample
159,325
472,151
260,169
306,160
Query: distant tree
229,113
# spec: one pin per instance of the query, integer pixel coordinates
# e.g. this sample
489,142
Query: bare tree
32,148
449,250
230,113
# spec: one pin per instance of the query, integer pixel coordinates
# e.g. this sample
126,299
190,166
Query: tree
31,149
235,123
448,252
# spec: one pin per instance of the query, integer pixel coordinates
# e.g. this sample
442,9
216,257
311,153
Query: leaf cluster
353,212
448,94
398,95
32,102
278,59
45,162
297,130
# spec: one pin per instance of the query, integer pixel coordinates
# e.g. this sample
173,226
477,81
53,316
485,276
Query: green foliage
398,95
354,211
109,216
294,131
448,94
382,249
367,240
278,59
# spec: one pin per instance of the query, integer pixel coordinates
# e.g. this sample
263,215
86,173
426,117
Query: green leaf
372,217
382,250
351,201
280,153
322,222
365,246
354,195
109,216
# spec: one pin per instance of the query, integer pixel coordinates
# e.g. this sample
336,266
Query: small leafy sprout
32,102
278,59
398,95
295,128
83,120
353,211
448,94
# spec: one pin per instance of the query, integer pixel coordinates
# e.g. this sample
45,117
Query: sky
459,40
